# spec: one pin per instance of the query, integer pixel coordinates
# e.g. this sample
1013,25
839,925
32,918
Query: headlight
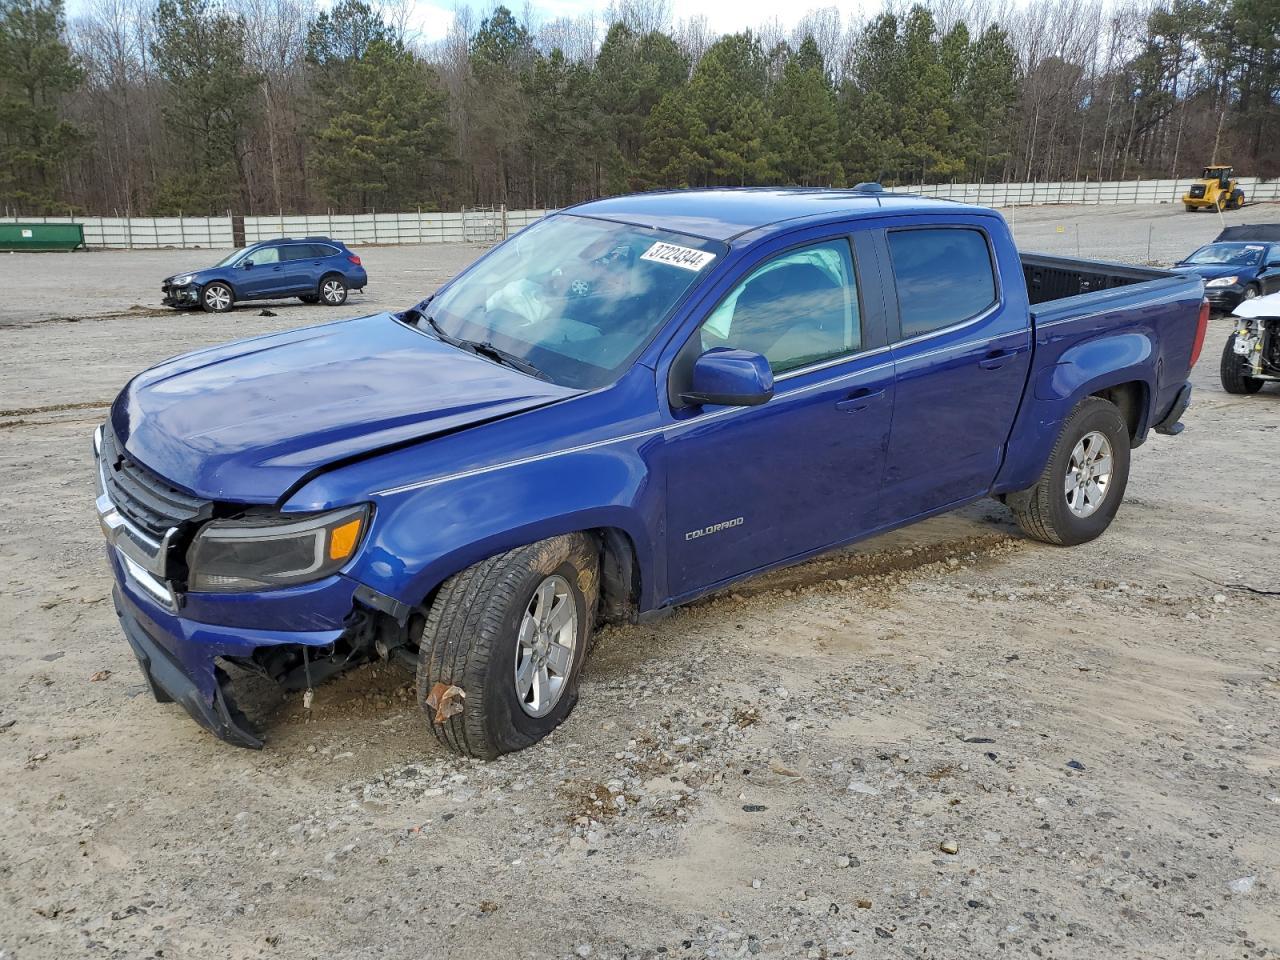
1221,281
182,281
232,555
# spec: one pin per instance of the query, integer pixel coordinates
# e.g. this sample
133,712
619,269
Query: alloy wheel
545,646
1088,474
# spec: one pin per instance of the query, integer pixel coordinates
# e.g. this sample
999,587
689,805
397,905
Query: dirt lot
773,771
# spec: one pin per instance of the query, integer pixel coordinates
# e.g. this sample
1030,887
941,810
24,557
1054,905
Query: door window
943,276
265,256
797,309
297,251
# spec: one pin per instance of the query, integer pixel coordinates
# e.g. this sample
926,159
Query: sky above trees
198,106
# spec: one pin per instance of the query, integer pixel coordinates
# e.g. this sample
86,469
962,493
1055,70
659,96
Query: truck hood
247,421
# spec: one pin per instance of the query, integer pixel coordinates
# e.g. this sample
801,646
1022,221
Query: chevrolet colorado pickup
633,402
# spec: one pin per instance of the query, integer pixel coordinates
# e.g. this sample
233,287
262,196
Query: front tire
309,297
333,291
217,297
1231,371
1082,485
1191,207
513,632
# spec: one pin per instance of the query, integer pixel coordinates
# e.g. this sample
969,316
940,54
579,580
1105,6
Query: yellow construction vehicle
1215,190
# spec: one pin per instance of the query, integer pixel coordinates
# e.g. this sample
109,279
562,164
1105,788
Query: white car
1251,356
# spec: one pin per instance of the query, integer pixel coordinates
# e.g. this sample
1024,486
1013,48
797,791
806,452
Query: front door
961,360
265,278
749,487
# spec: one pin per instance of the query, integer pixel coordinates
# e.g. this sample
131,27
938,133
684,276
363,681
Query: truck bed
1057,278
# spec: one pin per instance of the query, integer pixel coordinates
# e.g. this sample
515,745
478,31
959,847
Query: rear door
753,486
301,262
961,354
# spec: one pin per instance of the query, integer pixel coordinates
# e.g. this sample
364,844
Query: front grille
147,502
1197,190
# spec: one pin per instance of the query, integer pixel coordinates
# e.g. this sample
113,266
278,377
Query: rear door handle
995,359
859,399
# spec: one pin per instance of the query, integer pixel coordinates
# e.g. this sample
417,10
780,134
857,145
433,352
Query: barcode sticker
686,258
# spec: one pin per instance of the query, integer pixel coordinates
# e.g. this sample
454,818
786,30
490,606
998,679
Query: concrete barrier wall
1082,191
489,226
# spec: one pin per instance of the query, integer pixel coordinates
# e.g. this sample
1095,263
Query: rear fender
1093,366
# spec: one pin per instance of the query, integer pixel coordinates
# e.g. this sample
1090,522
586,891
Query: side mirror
732,378
247,264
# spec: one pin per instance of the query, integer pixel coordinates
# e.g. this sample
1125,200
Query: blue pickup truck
628,405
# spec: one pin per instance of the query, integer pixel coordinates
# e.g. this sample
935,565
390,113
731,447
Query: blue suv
313,269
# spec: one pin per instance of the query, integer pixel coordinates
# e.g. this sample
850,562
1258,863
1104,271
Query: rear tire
493,619
332,291
1231,371
1062,508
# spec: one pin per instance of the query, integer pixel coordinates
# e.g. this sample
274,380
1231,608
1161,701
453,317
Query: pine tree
379,125
806,128
728,94
675,147
37,70
199,52
632,74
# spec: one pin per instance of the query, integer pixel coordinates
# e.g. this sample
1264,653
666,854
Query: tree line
164,106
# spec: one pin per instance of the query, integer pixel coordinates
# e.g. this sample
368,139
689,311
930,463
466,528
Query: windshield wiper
484,349
487,349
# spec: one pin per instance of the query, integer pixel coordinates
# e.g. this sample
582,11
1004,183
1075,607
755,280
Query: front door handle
859,400
995,359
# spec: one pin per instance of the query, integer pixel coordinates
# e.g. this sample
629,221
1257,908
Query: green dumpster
41,236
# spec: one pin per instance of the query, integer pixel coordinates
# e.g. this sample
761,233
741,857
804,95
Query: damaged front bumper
179,656
184,296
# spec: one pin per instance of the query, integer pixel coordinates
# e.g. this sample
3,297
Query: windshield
1236,254
575,297
231,258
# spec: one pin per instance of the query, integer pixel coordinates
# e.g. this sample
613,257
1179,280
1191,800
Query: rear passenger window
943,277
296,251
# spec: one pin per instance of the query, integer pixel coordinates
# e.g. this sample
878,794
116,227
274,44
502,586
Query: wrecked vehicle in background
1251,355
630,404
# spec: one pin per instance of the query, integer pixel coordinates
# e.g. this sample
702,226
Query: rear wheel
217,297
512,632
1083,483
1231,371
333,290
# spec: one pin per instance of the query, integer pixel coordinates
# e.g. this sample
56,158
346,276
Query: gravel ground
946,742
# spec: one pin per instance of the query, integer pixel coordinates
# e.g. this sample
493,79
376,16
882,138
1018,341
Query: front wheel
1191,207
1081,487
512,632
217,297
1231,371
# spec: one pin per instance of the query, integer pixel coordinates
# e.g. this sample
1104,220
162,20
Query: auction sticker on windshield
686,258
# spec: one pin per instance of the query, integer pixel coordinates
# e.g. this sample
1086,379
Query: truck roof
728,212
